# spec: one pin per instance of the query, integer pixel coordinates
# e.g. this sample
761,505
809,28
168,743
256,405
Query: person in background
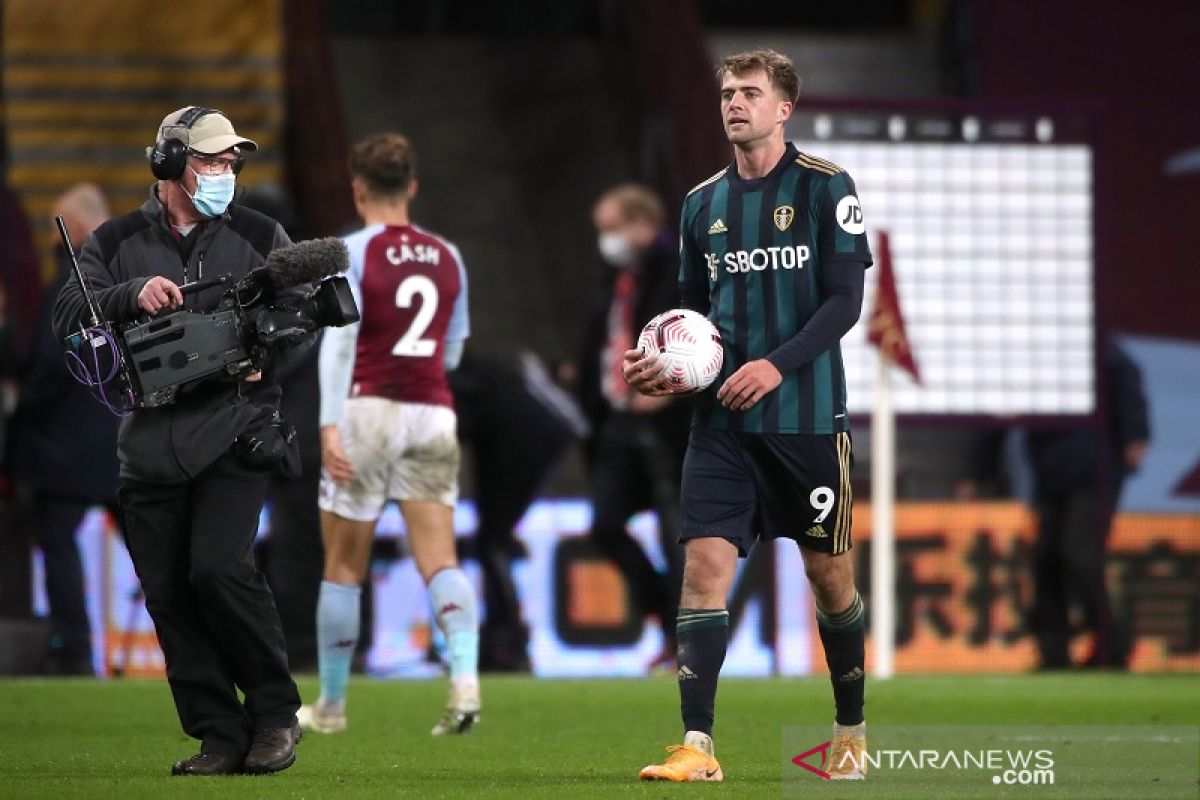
518,424
388,429
1078,475
63,451
20,295
290,555
636,458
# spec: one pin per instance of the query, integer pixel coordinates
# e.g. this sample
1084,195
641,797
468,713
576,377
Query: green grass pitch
538,738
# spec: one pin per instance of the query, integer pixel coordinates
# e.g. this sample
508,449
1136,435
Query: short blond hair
781,72
637,203
83,199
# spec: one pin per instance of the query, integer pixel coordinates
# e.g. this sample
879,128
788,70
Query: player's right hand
333,457
644,373
159,293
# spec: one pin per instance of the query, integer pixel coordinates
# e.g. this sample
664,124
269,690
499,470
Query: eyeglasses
215,165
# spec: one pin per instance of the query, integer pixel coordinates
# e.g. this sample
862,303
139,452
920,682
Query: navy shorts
745,486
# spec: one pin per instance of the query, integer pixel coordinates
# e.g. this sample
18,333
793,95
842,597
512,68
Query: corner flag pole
886,331
883,535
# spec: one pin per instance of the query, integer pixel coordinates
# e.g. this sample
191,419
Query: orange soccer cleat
847,761
691,761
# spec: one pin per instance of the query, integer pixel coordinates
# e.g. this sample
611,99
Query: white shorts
399,451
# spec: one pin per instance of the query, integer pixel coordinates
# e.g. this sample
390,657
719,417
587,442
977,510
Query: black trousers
214,615
507,481
1068,564
295,562
635,470
58,517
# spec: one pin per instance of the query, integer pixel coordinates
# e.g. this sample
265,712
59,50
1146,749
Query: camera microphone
306,262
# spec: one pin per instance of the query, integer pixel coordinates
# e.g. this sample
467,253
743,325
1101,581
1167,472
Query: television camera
151,359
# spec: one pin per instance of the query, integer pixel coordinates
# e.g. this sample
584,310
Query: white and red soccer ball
688,344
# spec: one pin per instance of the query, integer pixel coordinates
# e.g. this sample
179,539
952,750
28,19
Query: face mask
616,250
214,193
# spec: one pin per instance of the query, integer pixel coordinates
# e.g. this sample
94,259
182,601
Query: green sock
844,635
703,635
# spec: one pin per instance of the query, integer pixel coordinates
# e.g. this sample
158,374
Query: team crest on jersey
783,217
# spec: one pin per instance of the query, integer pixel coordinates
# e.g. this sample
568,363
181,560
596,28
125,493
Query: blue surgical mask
213,194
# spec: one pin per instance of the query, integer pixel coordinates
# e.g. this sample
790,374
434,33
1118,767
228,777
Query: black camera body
164,354
237,339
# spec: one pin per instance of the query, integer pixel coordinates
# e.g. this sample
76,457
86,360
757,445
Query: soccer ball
690,346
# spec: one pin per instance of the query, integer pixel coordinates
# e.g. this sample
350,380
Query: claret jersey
410,285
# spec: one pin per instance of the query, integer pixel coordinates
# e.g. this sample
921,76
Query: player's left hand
752,381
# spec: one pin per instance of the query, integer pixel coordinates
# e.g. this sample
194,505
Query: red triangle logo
823,750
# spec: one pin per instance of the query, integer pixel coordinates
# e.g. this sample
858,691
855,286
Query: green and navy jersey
751,257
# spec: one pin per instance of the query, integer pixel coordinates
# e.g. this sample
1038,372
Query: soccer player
773,250
388,429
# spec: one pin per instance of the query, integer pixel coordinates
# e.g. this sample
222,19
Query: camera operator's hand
159,293
333,457
253,377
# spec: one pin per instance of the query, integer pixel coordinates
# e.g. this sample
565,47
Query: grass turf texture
538,738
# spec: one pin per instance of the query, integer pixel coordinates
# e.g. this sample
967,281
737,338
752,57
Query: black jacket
62,439
173,443
657,291
1064,461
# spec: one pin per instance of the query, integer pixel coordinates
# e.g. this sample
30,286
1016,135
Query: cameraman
190,488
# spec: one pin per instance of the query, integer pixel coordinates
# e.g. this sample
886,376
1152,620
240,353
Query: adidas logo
817,532
685,674
717,227
853,675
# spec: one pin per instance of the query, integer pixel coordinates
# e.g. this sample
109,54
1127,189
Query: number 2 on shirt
411,344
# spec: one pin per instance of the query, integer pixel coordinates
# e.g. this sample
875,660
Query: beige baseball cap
210,134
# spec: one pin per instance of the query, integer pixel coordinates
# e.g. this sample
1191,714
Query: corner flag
885,329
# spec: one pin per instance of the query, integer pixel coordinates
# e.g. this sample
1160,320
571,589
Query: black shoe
208,764
272,750
501,661
504,648
58,664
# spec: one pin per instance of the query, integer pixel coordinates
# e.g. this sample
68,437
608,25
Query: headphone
169,156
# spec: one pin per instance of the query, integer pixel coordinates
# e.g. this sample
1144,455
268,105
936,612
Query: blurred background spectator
21,291
63,451
518,426
1077,477
636,457
290,555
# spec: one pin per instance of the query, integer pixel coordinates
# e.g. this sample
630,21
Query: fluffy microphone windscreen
307,262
